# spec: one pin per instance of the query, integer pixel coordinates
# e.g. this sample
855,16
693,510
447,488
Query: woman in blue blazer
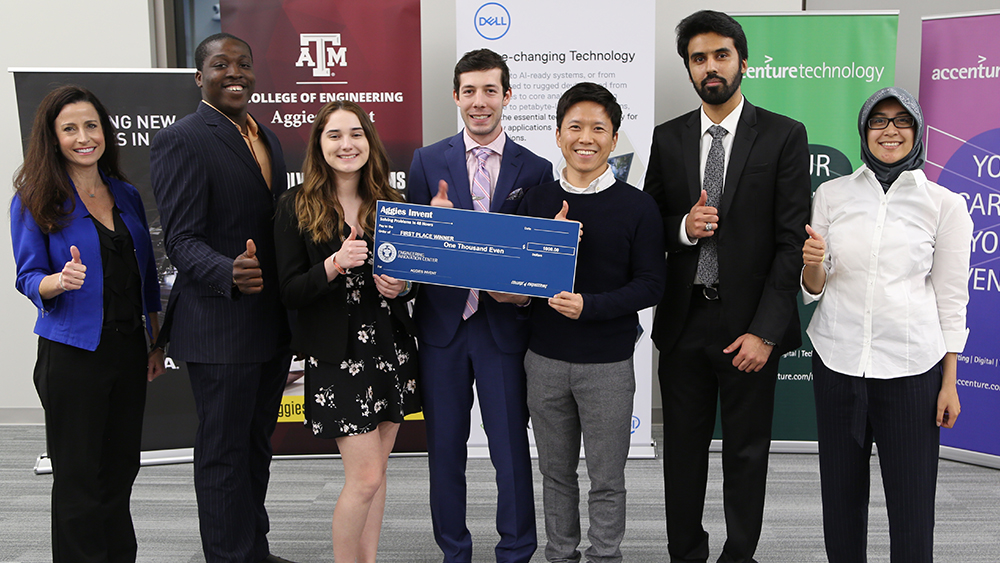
85,259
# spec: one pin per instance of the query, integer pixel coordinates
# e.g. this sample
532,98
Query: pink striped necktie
480,202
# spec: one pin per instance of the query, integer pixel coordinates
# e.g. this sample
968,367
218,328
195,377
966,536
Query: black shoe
272,558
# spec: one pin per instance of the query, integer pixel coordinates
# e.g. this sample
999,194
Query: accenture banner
308,53
817,68
544,63
959,79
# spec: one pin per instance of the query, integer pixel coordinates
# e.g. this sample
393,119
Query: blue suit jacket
212,198
438,309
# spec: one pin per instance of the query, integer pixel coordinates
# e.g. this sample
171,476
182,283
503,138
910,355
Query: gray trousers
565,400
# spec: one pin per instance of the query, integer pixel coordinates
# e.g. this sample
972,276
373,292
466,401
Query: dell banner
959,79
818,69
170,420
311,52
543,64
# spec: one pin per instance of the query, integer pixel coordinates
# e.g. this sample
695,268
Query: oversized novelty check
477,250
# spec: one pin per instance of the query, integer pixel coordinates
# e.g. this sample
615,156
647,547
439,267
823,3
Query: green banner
817,69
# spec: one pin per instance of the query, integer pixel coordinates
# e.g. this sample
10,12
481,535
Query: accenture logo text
815,71
328,52
492,21
976,72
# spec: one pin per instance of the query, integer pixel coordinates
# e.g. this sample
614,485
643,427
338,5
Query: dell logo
492,21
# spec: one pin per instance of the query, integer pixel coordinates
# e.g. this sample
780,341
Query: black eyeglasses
900,121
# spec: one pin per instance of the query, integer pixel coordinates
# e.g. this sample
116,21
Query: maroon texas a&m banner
310,52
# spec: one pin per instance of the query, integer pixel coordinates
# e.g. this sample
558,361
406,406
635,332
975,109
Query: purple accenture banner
959,81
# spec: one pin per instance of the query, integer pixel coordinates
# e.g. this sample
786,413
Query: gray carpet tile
303,493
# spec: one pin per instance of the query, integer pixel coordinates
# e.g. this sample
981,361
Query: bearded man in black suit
732,184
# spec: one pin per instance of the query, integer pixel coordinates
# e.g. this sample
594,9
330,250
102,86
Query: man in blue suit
467,336
216,175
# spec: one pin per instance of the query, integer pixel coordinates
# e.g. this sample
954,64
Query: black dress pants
898,415
694,376
93,427
237,412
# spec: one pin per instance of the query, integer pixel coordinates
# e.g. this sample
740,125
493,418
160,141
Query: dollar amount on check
477,250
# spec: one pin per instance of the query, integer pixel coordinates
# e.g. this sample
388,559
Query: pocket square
515,195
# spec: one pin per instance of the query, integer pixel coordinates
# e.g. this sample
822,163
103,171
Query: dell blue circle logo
636,423
492,21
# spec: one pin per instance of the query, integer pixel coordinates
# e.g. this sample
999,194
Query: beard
717,95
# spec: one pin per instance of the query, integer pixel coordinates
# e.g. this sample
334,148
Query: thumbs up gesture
73,273
247,275
441,199
702,220
352,253
561,216
814,249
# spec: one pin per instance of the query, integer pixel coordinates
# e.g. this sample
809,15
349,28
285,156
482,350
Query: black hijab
887,173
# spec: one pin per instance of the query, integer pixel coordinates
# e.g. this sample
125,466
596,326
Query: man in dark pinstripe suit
216,175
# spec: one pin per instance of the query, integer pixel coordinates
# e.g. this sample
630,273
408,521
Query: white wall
48,33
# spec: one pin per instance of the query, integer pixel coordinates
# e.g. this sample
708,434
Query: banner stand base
967,456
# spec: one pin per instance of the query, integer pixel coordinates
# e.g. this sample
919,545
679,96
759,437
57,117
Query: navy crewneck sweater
620,270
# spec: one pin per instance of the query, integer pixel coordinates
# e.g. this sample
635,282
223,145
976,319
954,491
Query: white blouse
897,267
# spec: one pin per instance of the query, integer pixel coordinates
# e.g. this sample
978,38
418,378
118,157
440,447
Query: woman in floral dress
351,326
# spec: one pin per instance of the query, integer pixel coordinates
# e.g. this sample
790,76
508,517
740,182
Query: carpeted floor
303,492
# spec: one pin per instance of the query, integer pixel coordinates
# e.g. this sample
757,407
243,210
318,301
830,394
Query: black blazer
320,326
212,198
762,218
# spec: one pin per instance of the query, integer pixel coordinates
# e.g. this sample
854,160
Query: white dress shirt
897,266
601,183
729,124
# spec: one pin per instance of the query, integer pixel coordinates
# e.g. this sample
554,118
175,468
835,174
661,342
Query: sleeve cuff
954,341
683,236
807,297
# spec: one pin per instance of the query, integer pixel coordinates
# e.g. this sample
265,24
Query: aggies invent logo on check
322,52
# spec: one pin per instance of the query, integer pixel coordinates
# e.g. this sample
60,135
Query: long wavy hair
41,182
318,210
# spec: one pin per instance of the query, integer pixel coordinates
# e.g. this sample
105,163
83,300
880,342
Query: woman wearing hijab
887,259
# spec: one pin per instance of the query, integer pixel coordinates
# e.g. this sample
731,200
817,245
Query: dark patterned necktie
708,257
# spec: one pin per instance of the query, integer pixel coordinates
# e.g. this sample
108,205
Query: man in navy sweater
579,360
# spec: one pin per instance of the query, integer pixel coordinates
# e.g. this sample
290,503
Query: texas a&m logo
327,50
